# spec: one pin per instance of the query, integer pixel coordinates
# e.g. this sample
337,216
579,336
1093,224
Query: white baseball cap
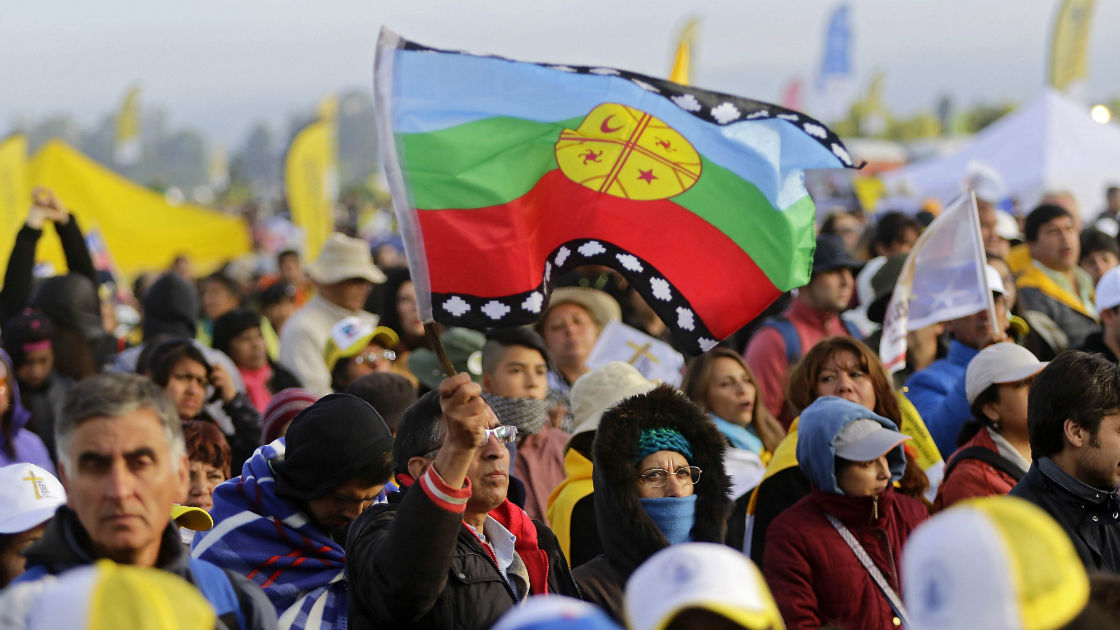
1004,362
995,282
992,562
865,439
1006,226
30,495
1108,290
699,575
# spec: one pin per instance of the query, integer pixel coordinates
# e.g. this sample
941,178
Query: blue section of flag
437,90
837,61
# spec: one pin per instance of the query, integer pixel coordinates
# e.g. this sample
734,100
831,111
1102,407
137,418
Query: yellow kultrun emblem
625,152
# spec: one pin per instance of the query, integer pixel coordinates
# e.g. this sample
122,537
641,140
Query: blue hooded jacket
820,423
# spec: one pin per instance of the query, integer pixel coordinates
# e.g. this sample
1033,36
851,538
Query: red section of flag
514,239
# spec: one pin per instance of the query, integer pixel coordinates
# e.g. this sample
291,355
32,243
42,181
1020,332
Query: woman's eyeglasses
373,357
658,477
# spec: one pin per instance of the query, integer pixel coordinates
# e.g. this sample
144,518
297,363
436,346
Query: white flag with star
655,359
942,279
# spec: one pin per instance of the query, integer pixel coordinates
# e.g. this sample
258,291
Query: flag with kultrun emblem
506,174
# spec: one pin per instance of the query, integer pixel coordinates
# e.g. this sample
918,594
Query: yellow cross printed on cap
639,351
34,482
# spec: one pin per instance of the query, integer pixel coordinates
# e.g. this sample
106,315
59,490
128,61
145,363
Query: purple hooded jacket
26,445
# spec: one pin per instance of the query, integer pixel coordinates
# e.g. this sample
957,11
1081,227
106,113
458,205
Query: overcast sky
218,66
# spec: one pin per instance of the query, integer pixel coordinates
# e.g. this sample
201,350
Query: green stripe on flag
497,160
482,163
780,242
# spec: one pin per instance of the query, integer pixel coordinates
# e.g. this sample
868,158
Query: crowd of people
282,449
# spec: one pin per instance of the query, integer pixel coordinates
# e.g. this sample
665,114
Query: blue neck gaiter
674,516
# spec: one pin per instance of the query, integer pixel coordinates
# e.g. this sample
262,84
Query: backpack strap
852,329
789,336
986,455
216,586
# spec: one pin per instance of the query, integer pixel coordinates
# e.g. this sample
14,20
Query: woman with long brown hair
720,383
848,369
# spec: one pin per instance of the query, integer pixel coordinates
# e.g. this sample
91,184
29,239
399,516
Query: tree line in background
182,157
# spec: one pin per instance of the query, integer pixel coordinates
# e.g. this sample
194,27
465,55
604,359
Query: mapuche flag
505,174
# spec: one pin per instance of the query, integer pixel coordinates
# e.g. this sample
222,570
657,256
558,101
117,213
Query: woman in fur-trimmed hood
661,423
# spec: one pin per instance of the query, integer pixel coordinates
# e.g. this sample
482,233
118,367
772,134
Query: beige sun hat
602,307
343,258
602,388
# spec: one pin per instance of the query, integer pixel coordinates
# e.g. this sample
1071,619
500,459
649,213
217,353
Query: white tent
1048,144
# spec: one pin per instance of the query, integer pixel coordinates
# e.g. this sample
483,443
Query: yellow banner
311,183
141,230
1069,59
682,64
15,193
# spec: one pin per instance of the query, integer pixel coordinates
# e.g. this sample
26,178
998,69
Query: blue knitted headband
662,439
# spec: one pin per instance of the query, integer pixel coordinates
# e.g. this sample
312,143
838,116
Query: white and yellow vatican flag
655,359
126,146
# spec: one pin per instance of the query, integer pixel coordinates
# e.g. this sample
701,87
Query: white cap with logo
30,495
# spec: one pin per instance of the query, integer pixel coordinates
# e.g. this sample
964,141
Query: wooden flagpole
437,347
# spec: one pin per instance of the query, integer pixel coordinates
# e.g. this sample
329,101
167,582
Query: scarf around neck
527,414
740,437
674,516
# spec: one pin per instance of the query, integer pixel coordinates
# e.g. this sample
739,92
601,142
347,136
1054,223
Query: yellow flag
126,149
15,194
869,190
1069,61
682,65
143,231
311,178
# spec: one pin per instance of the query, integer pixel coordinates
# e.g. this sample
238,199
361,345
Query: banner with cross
655,359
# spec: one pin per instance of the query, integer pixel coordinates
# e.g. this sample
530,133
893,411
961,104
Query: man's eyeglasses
658,477
373,357
505,434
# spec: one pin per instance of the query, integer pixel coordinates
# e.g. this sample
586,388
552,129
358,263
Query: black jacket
628,534
1090,517
65,545
18,275
775,494
414,564
246,422
1095,344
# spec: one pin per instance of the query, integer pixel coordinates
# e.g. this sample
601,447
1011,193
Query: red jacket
972,477
815,577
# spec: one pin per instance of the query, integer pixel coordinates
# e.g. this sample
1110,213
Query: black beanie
328,443
170,308
70,301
